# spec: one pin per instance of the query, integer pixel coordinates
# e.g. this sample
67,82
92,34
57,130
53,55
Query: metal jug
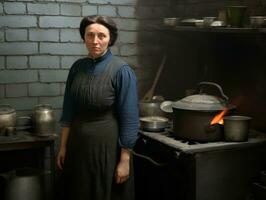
7,118
23,184
43,120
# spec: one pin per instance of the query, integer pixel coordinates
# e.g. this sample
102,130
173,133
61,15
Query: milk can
43,118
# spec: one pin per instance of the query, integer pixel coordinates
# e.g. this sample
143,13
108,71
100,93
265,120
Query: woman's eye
101,36
90,35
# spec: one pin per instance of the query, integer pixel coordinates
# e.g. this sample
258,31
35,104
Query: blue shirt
126,102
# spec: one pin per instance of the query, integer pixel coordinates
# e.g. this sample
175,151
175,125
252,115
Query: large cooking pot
9,122
193,114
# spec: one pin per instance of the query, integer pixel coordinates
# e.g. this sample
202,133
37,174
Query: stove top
167,138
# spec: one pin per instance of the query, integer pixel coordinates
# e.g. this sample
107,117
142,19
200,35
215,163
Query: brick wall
39,41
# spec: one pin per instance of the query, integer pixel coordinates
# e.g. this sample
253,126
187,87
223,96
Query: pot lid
6,109
43,107
201,102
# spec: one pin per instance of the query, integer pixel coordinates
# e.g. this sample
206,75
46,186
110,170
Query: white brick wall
2,91
40,40
114,2
16,48
67,61
2,62
44,89
126,11
16,35
44,62
1,8
2,35
89,10
44,35
63,48
70,35
126,24
59,22
43,9
128,37
18,21
17,90
70,9
107,10
16,62
18,76
14,8
49,76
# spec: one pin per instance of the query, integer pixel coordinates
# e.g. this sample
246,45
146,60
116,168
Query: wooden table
11,148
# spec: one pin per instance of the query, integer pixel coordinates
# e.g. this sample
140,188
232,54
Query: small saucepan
153,123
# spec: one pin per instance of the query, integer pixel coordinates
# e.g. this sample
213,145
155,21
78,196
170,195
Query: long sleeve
127,106
68,104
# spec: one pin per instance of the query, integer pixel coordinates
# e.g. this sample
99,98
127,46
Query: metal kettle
43,118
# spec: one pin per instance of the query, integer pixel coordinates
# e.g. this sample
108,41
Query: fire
218,119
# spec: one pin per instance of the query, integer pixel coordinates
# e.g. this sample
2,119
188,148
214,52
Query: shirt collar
104,56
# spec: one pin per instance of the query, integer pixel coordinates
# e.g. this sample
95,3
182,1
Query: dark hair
99,19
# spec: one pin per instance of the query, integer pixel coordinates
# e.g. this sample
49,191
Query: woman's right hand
61,157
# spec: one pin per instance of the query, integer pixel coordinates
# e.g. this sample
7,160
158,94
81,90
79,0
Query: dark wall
236,61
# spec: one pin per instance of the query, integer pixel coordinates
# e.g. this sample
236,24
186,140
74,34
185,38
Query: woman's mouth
95,48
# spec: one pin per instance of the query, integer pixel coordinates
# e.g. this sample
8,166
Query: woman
100,119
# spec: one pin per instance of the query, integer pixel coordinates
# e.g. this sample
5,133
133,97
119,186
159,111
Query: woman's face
97,38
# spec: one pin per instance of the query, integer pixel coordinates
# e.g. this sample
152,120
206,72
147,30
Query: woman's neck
95,57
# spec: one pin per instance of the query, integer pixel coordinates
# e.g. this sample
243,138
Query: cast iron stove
198,171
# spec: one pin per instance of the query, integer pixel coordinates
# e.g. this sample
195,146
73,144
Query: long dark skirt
92,156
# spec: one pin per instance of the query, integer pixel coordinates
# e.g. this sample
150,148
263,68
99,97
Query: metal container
236,128
7,118
236,15
151,107
207,21
195,125
43,118
153,123
193,114
148,108
257,21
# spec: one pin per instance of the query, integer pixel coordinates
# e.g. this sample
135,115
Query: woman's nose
95,39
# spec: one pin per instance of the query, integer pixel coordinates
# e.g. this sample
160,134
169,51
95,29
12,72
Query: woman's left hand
123,168
122,171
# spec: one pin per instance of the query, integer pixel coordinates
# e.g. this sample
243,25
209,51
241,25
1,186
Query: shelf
215,29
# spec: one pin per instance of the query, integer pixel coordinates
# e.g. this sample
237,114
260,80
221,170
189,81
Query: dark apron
93,151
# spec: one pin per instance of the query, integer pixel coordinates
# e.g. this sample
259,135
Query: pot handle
199,89
166,106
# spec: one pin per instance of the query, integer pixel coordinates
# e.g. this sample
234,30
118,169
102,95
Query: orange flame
218,119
